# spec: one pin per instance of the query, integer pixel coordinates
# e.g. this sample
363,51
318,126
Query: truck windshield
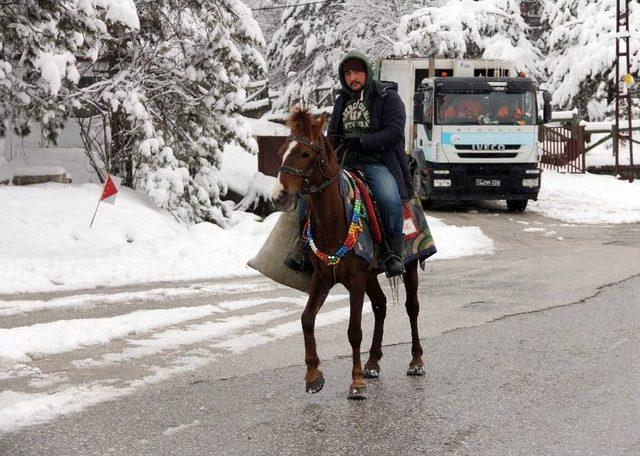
492,108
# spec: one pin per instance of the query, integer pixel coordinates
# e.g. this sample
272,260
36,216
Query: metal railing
563,148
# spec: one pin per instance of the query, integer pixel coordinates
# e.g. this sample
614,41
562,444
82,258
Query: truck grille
488,155
478,148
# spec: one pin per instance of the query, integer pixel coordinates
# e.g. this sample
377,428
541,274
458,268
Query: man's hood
363,58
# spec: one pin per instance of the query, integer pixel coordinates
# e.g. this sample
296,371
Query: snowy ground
588,199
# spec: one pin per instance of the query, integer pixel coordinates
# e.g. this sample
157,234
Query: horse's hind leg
314,379
379,305
416,367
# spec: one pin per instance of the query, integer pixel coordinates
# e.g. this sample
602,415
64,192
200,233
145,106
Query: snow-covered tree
581,53
167,78
41,44
306,50
489,29
299,48
176,88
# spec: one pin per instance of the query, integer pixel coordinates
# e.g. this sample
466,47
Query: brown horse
310,167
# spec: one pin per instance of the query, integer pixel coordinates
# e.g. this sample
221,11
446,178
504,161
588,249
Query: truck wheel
419,187
517,205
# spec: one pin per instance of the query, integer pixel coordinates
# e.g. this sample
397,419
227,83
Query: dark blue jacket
388,118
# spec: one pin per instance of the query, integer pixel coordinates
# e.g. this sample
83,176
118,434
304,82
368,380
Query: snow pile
46,243
588,198
458,241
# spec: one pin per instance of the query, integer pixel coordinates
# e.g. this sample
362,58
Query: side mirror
547,111
422,109
418,110
546,115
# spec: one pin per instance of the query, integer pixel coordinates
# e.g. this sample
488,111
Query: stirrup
298,261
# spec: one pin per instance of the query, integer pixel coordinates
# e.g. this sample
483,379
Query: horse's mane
301,121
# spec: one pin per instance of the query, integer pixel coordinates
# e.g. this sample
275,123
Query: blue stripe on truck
462,138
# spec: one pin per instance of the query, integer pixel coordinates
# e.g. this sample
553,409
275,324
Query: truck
472,133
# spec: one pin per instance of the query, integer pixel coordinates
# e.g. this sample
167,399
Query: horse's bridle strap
299,172
296,171
306,142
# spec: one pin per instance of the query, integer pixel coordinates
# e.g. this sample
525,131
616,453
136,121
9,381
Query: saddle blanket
418,245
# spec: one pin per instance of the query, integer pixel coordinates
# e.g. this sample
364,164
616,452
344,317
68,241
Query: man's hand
353,144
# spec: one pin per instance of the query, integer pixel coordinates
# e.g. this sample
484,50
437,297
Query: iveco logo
488,147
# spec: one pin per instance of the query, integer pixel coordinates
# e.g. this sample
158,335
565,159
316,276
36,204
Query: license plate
488,182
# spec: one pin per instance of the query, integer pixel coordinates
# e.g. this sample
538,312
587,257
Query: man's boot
394,264
298,259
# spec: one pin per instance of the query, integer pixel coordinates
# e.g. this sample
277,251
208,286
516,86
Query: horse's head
305,155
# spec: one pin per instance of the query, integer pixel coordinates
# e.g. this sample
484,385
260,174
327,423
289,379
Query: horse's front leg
416,366
379,305
358,388
319,290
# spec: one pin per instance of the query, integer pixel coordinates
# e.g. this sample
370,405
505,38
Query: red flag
110,191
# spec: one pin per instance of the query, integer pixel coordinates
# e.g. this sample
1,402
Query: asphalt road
531,350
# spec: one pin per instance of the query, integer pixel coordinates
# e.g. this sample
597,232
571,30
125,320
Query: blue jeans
386,195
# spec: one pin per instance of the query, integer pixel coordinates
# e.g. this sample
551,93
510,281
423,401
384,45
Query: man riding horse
368,121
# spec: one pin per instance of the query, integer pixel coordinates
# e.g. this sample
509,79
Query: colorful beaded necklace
352,235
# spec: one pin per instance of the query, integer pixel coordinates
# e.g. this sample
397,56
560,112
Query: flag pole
98,205
94,214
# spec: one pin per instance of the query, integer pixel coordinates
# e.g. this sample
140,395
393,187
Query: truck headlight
442,182
531,182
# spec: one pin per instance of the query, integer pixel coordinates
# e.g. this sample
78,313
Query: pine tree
41,44
489,29
581,53
167,77
299,51
178,85
307,48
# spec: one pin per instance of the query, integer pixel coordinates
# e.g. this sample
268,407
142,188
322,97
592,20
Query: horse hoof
415,371
315,387
358,393
371,372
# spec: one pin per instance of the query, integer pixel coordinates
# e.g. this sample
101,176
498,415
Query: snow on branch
489,29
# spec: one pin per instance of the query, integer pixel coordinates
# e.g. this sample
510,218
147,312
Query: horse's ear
322,119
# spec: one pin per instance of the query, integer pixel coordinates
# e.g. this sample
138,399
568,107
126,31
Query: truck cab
474,137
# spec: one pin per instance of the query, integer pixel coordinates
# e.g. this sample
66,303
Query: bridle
307,188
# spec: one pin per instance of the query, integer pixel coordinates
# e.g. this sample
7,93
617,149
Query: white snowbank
588,198
46,243
458,241
238,166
